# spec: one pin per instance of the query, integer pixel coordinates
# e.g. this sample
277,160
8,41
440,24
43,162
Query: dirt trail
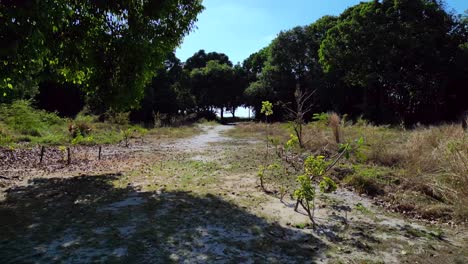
211,136
196,200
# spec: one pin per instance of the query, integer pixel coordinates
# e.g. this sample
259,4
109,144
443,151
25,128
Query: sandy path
343,216
196,200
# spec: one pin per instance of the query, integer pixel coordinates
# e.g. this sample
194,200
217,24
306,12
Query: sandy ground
196,200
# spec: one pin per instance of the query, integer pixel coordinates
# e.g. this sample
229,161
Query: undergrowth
425,167
23,125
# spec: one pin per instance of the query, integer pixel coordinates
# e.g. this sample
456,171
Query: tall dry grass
436,158
334,121
431,163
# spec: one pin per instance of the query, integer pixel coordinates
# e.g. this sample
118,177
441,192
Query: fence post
68,156
42,154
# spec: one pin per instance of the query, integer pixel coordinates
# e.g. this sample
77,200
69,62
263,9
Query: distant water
240,112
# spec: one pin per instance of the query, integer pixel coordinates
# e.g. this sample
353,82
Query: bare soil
192,200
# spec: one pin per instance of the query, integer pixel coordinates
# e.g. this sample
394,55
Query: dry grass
434,161
258,130
316,138
334,121
175,132
429,163
437,160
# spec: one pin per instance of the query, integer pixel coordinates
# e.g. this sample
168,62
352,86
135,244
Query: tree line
389,61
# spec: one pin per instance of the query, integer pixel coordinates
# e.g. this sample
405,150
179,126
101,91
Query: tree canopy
111,49
391,61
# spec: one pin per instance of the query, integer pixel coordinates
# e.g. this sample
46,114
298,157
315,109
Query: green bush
5,139
118,118
363,184
20,122
28,124
80,140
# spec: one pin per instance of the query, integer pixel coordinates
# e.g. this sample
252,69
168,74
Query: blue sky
239,28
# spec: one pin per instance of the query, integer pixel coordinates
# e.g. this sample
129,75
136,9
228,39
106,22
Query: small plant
119,118
267,110
305,195
315,169
288,163
140,132
79,128
361,208
63,150
81,140
303,107
275,170
261,176
126,135
4,138
362,122
293,142
320,117
132,132
327,185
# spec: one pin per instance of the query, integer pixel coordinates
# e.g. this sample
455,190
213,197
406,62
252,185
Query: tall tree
399,53
201,58
211,85
110,48
291,61
161,95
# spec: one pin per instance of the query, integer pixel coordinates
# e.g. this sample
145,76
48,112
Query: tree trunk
222,113
233,112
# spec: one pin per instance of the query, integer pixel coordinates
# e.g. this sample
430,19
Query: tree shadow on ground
86,219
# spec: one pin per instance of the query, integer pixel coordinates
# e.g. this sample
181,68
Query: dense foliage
111,49
390,61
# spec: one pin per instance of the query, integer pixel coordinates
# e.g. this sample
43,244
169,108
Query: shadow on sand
86,219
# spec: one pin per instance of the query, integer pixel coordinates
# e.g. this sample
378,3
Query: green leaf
9,85
360,141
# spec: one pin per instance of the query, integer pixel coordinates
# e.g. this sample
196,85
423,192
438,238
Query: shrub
363,184
320,117
79,128
5,139
81,140
118,118
27,123
132,132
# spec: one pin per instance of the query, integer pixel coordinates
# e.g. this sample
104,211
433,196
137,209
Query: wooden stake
100,149
42,154
68,156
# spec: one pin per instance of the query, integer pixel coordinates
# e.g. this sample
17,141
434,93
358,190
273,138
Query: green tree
212,85
397,55
162,95
201,58
112,49
253,65
288,63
